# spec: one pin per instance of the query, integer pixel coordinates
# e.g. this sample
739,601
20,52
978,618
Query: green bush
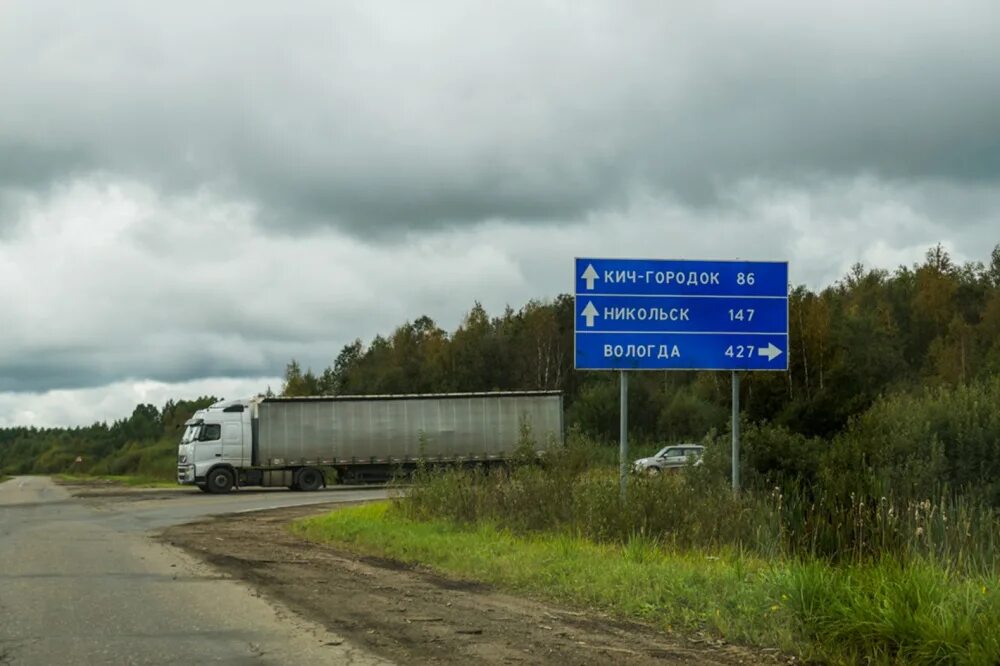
685,415
919,446
881,613
694,509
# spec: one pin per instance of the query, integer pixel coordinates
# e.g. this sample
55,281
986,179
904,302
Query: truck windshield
191,433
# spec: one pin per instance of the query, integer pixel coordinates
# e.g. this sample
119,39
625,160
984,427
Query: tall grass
876,613
692,509
848,580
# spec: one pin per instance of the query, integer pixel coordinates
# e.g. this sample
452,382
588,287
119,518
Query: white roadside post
736,432
623,436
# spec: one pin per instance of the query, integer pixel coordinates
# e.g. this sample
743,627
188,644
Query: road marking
264,508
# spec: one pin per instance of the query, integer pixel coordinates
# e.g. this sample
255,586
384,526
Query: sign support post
623,436
736,432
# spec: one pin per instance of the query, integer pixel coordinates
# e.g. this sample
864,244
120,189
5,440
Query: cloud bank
199,193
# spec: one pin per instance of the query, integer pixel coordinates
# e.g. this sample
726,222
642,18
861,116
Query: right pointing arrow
589,275
589,313
770,351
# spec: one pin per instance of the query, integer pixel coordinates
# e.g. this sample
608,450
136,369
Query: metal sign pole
736,432
623,435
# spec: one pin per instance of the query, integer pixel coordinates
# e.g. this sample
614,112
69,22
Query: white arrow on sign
770,351
589,313
589,276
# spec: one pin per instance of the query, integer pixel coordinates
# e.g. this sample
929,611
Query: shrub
692,509
919,446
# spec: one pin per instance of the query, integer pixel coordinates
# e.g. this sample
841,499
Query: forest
871,333
143,444
877,345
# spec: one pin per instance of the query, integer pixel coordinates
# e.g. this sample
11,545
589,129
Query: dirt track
413,616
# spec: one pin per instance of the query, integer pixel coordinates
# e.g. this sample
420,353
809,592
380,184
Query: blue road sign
641,314
657,277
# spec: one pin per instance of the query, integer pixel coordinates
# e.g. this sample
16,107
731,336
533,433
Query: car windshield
191,433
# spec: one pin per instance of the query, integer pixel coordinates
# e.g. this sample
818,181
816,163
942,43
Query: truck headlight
182,460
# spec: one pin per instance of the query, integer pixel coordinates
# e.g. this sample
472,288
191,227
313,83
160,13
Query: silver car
670,457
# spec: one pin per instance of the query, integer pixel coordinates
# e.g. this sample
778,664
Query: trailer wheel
220,480
309,479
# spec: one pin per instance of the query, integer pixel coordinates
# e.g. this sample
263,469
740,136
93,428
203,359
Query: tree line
871,333
892,388
857,349
143,443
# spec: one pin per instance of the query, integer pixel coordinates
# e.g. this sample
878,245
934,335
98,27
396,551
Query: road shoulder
413,615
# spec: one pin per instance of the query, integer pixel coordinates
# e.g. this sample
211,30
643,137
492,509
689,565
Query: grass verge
877,613
132,481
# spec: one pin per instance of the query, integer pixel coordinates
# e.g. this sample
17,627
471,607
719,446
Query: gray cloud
25,165
190,192
114,401
107,280
374,118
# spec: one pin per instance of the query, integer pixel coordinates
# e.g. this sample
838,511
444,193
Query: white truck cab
216,445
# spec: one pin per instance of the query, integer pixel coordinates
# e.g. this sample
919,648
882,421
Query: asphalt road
81,582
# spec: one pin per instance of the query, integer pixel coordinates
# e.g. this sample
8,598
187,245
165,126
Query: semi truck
301,442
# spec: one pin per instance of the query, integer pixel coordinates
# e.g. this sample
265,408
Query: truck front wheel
309,479
220,480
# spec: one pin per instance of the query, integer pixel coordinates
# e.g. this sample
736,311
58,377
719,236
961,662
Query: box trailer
294,442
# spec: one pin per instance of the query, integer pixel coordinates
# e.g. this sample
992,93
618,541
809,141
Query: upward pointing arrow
589,313
770,351
589,275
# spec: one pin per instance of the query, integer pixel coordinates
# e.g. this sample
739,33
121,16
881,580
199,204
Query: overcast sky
192,193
